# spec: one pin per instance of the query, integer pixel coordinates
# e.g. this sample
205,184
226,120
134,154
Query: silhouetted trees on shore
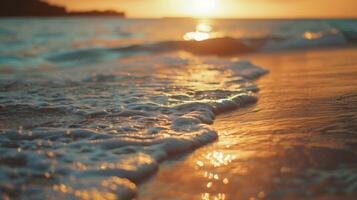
37,8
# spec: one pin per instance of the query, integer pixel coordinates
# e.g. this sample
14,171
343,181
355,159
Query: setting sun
178,99
204,7
218,8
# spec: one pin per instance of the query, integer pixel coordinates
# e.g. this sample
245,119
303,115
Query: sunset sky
220,8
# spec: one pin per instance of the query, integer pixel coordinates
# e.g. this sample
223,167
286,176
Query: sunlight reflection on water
316,35
215,181
203,32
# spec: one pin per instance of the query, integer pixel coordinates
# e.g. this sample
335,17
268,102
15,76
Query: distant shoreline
61,16
70,15
36,8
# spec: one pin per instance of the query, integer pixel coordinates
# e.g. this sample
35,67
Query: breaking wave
224,46
94,110
105,133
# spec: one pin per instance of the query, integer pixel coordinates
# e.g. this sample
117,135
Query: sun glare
204,7
203,32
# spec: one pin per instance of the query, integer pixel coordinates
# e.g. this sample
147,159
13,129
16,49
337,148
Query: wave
108,129
350,35
216,46
225,46
308,40
74,134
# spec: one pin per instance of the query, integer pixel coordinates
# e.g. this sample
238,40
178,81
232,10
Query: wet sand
298,142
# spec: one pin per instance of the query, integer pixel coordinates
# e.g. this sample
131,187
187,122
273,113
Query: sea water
90,107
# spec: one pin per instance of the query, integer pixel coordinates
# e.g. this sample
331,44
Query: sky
221,8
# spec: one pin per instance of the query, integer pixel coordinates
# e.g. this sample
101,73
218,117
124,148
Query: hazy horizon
220,8
220,100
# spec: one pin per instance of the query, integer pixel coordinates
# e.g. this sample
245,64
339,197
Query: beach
113,108
297,142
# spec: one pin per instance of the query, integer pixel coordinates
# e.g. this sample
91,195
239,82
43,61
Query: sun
204,7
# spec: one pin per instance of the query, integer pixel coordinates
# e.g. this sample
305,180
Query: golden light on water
315,35
198,36
202,27
203,32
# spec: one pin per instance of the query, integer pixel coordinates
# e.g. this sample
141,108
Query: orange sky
221,8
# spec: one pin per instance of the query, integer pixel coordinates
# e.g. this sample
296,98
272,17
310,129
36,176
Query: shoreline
273,132
96,107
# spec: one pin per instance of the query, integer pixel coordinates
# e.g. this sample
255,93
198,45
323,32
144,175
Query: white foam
69,131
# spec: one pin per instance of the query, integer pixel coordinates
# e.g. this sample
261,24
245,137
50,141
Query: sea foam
100,135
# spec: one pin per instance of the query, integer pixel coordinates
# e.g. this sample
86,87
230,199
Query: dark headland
38,8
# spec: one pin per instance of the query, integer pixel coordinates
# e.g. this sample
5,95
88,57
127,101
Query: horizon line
200,18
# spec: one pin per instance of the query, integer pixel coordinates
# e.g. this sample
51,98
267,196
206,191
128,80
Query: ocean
91,107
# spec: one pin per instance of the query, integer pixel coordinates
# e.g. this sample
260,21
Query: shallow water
66,42
298,142
66,135
91,108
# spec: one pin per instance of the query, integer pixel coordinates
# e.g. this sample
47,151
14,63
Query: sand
298,142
